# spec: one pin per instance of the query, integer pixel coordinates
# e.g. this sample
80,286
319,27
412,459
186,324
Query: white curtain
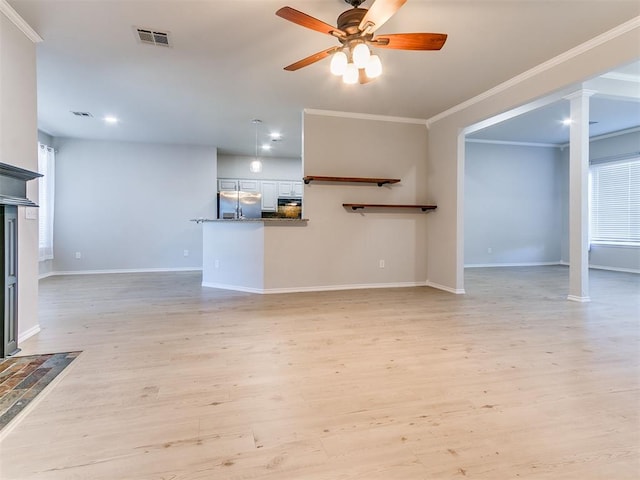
46,184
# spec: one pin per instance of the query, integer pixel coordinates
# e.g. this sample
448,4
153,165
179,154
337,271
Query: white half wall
126,206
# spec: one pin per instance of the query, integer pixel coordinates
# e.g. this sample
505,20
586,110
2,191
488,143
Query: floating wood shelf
379,181
356,206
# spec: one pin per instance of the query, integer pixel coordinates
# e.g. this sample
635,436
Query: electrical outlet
186,253
216,263
489,250
78,255
381,263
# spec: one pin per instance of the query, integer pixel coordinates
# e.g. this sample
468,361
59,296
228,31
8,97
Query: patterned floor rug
23,378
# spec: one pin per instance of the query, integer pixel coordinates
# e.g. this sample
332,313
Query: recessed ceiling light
566,121
266,147
111,120
275,136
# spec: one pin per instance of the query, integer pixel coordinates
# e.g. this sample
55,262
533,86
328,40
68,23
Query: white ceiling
225,67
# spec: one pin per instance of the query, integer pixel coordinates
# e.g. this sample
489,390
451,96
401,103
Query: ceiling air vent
82,114
153,37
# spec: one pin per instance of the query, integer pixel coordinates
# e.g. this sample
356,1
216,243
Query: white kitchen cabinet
249,186
269,192
289,189
227,184
240,184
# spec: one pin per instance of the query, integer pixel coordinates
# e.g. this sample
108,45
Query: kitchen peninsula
235,252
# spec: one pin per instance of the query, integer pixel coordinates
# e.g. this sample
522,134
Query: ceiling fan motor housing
349,23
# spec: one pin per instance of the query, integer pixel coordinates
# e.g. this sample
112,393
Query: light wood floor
180,382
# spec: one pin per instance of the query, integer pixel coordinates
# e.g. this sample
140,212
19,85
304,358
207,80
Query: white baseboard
457,291
605,267
45,275
330,288
614,269
235,288
126,270
316,288
28,333
524,264
575,298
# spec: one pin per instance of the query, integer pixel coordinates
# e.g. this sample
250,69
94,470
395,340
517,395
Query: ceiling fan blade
378,14
316,57
308,21
411,41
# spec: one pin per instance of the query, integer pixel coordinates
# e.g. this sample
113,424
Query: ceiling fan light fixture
350,74
374,67
339,63
361,55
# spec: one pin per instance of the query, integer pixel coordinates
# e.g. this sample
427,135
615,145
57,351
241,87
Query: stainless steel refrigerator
237,205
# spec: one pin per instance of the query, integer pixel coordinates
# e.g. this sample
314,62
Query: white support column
579,197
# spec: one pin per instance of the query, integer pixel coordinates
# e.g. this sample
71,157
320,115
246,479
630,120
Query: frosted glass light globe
361,55
339,63
350,74
374,67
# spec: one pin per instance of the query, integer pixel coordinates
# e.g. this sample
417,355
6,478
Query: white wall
446,154
18,146
273,168
511,204
127,206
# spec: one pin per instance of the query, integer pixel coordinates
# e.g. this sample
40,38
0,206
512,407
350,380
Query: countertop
266,221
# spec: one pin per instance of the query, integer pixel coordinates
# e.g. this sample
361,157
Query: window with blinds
46,186
615,202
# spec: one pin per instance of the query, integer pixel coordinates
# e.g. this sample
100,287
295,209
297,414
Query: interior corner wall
273,168
445,244
18,147
341,248
127,206
512,194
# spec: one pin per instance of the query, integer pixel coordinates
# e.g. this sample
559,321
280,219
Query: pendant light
256,165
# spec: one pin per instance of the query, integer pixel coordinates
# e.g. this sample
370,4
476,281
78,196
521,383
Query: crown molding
19,22
543,67
624,77
364,116
513,143
608,135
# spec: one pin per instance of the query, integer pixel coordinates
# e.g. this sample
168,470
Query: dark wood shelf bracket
356,206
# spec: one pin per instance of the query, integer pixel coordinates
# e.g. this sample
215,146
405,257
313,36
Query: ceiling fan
355,31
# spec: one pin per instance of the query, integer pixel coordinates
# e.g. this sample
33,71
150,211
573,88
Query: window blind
46,185
615,202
